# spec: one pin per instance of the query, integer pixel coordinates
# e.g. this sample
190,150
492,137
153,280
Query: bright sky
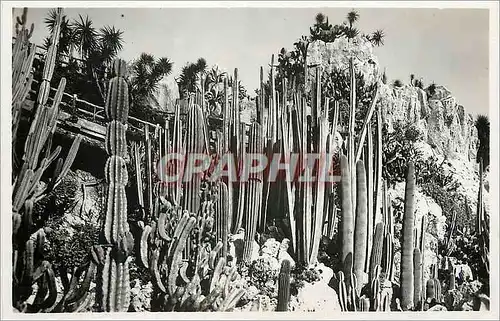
447,46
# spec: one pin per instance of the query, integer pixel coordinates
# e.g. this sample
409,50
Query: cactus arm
177,255
230,302
143,246
155,271
50,301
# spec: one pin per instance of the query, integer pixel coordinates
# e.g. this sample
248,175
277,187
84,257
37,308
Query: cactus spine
284,286
407,285
114,289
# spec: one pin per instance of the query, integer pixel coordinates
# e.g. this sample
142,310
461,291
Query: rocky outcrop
317,296
445,124
336,55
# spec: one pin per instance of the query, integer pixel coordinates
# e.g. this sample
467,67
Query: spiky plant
377,37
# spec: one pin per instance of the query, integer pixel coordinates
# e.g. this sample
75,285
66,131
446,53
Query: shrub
263,273
397,150
69,250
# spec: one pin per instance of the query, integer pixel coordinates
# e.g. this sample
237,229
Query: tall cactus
195,144
223,213
114,287
377,249
28,265
361,228
253,195
417,276
23,54
347,209
284,286
407,285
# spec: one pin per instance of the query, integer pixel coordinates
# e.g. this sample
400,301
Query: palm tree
377,37
397,83
483,133
189,76
352,17
85,36
431,90
110,42
145,75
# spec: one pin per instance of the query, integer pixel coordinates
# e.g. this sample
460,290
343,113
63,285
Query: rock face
87,199
318,296
336,55
446,125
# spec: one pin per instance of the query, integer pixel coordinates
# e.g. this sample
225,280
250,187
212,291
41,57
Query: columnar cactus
195,144
347,209
223,215
361,228
29,266
433,290
417,276
253,197
23,54
117,241
284,286
377,249
407,277
351,148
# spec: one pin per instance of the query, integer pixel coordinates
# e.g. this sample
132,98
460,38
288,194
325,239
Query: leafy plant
397,83
189,76
483,132
69,249
144,77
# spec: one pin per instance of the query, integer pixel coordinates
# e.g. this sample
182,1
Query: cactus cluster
179,278
23,54
184,241
28,263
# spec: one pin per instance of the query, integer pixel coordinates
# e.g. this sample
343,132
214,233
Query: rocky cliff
445,124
